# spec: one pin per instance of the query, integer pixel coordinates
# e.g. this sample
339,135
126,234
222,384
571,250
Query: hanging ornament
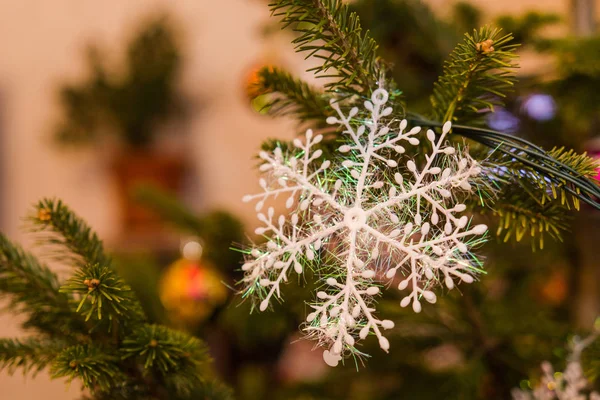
555,288
374,220
190,289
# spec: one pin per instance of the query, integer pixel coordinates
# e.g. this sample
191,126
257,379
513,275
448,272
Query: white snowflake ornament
365,221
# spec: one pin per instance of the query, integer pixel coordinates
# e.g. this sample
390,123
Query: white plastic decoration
568,385
363,222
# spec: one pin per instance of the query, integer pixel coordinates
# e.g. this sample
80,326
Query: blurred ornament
445,357
571,384
253,79
300,363
255,91
554,289
190,289
540,107
503,121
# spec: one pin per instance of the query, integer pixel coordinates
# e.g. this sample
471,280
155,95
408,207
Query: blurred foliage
218,230
526,28
413,39
130,102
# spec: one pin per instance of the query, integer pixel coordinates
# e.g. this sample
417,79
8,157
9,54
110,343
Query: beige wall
39,46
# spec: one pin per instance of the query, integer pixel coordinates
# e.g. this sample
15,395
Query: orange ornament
255,89
190,290
554,291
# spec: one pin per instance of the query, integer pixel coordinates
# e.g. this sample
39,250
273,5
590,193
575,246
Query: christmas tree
476,343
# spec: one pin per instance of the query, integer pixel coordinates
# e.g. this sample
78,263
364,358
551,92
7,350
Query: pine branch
165,350
103,293
529,204
565,174
538,185
96,367
476,77
175,356
65,230
330,32
31,355
33,290
521,216
291,96
129,359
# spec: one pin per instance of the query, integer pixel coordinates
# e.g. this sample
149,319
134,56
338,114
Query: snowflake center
355,218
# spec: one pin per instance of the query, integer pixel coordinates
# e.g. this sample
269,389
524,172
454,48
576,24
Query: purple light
540,107
503,121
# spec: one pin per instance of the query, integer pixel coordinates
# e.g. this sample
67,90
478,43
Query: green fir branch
33,290
523,216
529,203
165,350
540,186
66,231
570,175
103,293
175,356
291,96
476,78
96,367
331,33
31,354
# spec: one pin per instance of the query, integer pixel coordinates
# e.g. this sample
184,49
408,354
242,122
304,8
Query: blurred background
141,116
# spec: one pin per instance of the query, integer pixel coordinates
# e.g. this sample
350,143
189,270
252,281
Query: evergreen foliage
331,33
525,28
477,75
218,230
476,78
300,99
66,236
31,354
33,291
130,103
92,328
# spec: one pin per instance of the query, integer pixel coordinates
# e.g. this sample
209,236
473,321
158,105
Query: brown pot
165,171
